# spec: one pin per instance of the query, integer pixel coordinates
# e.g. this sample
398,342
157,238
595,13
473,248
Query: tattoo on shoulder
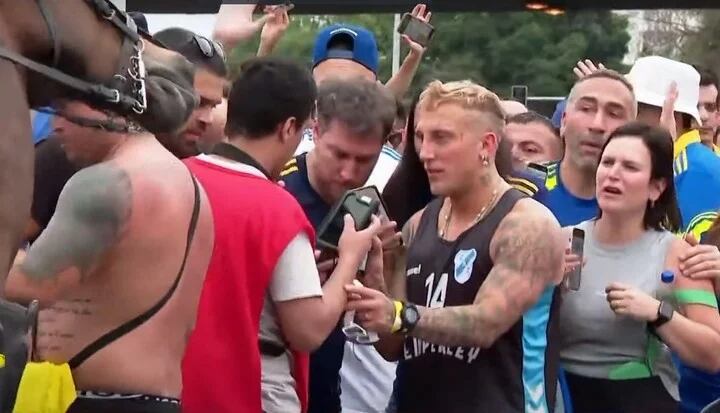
90,217
526,261
524,244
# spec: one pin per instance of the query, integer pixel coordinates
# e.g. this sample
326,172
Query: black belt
271,349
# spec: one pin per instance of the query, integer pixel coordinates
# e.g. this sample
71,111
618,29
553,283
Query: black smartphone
361,207
576,248
519,93
417,30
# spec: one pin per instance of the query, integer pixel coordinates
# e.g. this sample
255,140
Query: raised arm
91,215
527,251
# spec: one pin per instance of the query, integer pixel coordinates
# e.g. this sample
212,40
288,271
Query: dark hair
606,74
364,107
526,118
400,110
269,91
184,42
664,214
408,189
709,78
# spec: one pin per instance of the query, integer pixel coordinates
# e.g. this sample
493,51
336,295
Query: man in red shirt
263,246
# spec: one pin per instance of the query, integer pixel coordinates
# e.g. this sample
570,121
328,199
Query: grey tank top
599,344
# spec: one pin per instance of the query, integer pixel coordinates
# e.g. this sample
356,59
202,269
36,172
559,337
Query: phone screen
416,29
576,247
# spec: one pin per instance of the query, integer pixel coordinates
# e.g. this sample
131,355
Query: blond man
474,301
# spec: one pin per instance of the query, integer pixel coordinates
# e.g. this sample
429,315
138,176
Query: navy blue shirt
326,361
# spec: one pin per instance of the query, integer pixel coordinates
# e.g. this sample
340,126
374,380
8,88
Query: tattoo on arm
526,262
90,217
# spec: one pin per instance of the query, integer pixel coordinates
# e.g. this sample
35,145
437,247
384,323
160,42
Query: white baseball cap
652,76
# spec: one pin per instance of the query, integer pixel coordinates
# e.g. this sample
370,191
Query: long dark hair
408,189
664,214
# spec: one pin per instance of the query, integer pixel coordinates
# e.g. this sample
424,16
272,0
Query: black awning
387,6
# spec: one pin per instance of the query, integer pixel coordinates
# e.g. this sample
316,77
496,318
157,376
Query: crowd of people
181,272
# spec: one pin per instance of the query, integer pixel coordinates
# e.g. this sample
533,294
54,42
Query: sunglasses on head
209,48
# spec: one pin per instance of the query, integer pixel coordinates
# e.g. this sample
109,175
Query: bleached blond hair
467,95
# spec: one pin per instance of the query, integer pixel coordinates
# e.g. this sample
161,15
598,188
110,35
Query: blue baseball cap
364,49
559,111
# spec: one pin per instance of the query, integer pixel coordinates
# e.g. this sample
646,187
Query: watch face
666,310
411,315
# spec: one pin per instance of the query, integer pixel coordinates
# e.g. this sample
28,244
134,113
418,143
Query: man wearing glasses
209,60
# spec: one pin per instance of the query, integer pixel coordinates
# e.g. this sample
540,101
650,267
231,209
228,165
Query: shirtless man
112,251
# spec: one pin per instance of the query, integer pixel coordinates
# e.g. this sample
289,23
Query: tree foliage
494,49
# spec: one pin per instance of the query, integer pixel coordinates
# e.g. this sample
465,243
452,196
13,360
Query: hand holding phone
416,25
577,243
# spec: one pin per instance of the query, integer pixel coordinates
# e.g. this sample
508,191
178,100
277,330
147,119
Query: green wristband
689,296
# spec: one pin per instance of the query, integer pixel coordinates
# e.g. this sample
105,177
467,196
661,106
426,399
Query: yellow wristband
397,324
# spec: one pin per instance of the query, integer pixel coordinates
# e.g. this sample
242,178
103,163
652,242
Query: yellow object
45,388
2,361
397,323
684,141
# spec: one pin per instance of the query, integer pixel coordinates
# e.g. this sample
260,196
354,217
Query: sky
201,24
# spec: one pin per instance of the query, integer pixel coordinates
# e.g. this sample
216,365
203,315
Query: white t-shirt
295,277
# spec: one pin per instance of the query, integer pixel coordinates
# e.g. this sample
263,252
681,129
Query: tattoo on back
91,216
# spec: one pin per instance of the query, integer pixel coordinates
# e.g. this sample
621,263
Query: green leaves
494,49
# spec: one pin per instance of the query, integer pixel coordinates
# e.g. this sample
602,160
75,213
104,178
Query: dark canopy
378,6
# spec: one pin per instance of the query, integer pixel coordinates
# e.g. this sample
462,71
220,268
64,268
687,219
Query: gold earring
485,161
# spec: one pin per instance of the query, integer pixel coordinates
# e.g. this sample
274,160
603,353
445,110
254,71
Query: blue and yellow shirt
567,208
697,182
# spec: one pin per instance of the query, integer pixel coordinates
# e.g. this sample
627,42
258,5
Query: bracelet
397,323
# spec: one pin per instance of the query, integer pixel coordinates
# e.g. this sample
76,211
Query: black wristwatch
409,316
664,314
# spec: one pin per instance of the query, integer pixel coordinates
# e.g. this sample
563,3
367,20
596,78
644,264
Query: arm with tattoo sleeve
91,215
390,346
527,252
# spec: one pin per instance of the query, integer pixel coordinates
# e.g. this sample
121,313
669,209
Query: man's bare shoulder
410,227
529,228
103,191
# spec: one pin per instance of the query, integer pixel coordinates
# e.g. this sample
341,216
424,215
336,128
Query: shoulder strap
136,322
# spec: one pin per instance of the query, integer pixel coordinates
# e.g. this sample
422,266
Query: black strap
91,90
236,154
136,322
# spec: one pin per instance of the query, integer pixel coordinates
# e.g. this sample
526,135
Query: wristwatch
664,314
409,317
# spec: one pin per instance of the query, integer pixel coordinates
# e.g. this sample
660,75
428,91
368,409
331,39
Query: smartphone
576,247
519,93
417,30
360,206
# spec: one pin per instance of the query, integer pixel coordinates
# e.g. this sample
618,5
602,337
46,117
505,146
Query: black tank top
510,376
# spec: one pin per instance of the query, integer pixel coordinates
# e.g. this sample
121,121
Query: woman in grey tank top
616,336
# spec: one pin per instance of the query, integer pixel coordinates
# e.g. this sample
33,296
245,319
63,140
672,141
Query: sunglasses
209,48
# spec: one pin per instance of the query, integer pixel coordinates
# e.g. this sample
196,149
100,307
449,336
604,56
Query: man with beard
209,59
